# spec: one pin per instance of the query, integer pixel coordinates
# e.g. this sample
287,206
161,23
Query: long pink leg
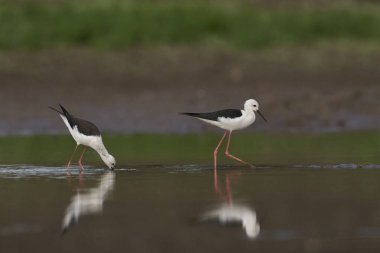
234,157
71,158
215,163
80,159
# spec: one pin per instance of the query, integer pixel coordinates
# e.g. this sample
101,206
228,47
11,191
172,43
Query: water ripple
30,171
60,172
344,166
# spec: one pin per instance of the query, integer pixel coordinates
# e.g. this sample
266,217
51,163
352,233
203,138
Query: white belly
91,141
232,124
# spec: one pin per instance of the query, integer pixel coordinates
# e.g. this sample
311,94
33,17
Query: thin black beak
262,116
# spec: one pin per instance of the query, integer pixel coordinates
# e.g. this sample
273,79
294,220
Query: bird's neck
249,116
101,149
248,112
247,108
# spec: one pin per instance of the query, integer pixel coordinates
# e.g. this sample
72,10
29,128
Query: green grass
360,147
30,27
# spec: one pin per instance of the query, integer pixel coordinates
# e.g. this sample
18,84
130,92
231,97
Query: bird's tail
69,220
56,110
192,114
65,112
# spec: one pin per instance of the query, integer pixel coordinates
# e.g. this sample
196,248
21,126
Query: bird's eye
254,105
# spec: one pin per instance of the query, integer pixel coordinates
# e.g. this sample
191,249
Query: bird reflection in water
230,213
88,202
80,177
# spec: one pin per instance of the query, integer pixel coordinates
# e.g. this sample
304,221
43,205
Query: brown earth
142,90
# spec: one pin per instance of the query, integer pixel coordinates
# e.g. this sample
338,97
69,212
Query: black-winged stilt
230,120
87,134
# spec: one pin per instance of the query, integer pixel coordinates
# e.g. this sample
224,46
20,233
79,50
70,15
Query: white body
234,124
94,142
236,214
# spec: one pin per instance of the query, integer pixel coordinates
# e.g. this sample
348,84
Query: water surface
188,208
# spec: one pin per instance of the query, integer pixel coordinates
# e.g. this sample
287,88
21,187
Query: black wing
68,116
228,113
85,127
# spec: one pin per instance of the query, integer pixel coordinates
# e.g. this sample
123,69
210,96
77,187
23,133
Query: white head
253,105
109,160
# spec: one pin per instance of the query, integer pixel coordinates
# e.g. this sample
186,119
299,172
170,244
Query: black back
228,113
85,127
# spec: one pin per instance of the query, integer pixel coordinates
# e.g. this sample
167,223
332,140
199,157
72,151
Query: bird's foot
239,160
251,166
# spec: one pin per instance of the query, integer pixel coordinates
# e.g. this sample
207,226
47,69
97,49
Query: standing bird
87,134
230,120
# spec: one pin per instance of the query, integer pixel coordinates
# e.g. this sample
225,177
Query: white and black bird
230,120
87,134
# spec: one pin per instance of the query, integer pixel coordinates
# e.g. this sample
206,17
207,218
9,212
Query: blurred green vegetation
124,24
264,148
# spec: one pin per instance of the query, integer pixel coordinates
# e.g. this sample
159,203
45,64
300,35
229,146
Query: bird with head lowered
87,134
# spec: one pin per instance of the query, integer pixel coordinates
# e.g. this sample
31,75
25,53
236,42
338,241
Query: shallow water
188,208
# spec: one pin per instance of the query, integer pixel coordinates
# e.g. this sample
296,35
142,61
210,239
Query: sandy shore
143,90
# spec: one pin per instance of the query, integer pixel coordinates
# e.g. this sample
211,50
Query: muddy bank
143,90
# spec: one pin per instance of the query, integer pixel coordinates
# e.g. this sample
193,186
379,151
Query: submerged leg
215,163
234,157
80,177
228,191
80,159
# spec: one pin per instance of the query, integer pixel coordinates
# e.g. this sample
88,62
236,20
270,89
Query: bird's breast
237,123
